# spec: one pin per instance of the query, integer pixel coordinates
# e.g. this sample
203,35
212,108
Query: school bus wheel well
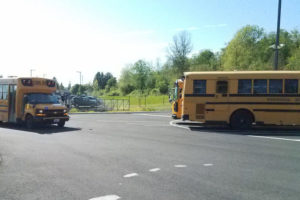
243,110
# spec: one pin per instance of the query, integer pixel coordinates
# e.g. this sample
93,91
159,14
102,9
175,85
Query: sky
61,37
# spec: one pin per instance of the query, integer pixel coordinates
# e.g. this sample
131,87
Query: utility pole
277,36
31,70
79,77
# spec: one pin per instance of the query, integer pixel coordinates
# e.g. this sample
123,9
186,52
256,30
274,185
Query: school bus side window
275,86
5,92
222,87
199,86
291,86
245,86
1,92
260,86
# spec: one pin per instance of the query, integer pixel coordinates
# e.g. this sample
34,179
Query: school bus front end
177,99
37,104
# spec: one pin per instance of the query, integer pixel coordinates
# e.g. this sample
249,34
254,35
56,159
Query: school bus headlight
65,111
40,111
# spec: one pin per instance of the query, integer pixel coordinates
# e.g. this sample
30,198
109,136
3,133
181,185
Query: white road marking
107,197
151,115
173,123
274,138
207,164
130,175
180,166
154,170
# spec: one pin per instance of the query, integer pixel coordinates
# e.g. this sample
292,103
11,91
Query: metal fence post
129,103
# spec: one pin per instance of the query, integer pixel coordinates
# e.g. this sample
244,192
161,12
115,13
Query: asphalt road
147,156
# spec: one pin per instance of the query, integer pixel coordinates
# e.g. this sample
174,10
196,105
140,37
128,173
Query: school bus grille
200,111
54,113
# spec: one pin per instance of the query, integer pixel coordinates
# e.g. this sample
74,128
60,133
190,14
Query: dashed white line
154,170
173,123
130,175
107,197
180,166
208,164
274,138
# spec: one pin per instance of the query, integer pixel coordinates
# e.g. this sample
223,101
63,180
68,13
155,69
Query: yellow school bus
177,99
30,101
242,98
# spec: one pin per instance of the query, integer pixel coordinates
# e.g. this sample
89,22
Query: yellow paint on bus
242,98
30,100
177,99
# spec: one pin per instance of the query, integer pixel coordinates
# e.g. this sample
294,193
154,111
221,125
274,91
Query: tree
69,86
75,89
294,61
111,83
242,52
101,79
126,83
204,61
178,52
141,73
61,86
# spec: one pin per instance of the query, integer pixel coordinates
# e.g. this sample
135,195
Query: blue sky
60,37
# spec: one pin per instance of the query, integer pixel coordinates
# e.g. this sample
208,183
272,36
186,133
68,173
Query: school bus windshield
41,98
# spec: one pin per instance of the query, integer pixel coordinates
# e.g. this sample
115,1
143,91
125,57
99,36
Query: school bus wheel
29,121
241,119
61,123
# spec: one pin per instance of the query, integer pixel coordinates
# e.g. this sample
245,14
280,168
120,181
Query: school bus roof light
27,82
50,83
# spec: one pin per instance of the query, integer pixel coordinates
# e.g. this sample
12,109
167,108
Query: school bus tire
241,119
61,124
29,123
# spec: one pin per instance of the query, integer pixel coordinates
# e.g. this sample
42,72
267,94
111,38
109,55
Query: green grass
145,103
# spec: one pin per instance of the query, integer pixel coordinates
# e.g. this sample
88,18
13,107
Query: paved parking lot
147,156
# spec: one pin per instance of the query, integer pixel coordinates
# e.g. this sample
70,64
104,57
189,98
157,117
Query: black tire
29,122
241,120
61,124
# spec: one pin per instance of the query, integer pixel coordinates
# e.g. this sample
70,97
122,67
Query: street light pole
31,70
277,36
79,77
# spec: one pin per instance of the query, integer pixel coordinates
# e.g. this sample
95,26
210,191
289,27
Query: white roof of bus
8,81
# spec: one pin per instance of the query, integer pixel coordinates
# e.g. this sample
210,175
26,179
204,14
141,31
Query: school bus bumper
51,119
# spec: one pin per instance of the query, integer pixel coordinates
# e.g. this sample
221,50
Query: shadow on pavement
47,129
257,130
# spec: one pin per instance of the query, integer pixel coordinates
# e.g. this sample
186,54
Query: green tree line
251,48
